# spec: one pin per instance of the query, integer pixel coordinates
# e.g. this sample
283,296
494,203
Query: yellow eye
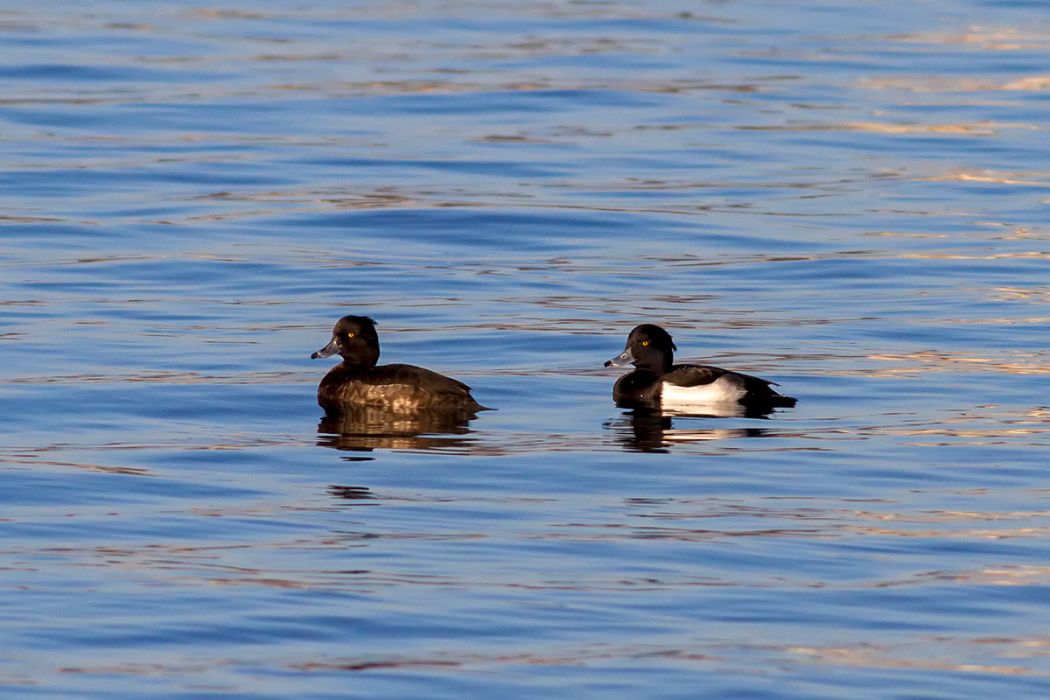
645,343
350,334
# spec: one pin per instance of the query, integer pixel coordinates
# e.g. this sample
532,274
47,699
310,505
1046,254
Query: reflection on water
367,428
645,430
353,495
186,195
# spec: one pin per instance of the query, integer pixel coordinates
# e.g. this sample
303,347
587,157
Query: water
849,201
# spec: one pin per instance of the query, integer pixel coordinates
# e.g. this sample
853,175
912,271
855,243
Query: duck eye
350,334
645,343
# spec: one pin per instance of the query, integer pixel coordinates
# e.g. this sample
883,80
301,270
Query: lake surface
849,200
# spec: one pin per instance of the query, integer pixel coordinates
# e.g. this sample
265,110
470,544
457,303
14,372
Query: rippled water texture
847,198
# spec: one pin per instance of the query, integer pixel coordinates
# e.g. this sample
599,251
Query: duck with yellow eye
358,381
658,383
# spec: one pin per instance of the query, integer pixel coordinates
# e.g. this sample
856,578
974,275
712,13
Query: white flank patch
720,392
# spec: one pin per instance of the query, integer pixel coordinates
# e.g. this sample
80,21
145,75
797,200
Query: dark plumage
358,381
657,382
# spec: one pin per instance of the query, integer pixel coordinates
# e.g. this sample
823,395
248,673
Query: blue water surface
848,200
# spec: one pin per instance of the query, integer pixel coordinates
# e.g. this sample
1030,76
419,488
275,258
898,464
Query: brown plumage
399,388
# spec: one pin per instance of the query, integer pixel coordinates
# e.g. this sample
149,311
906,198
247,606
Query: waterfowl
656,382
358,381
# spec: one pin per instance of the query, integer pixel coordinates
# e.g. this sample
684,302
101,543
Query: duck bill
624,359
328,350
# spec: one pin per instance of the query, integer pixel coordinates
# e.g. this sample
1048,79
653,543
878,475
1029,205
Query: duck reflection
353,495
367,428
647,430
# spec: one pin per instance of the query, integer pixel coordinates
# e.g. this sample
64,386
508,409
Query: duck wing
755,389
694,375
416,376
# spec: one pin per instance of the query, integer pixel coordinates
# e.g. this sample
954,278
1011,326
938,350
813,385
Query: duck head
649,348
355,339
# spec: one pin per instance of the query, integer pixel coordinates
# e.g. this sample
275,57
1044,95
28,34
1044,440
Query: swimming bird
656,382
358,381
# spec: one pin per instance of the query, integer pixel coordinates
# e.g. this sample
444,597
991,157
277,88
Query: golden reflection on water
32,460
926,361
365,429
931,653
669,520
1037,295
936,653
174,377
982,38
1040,179
945,84
887,656
653,431
980,128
